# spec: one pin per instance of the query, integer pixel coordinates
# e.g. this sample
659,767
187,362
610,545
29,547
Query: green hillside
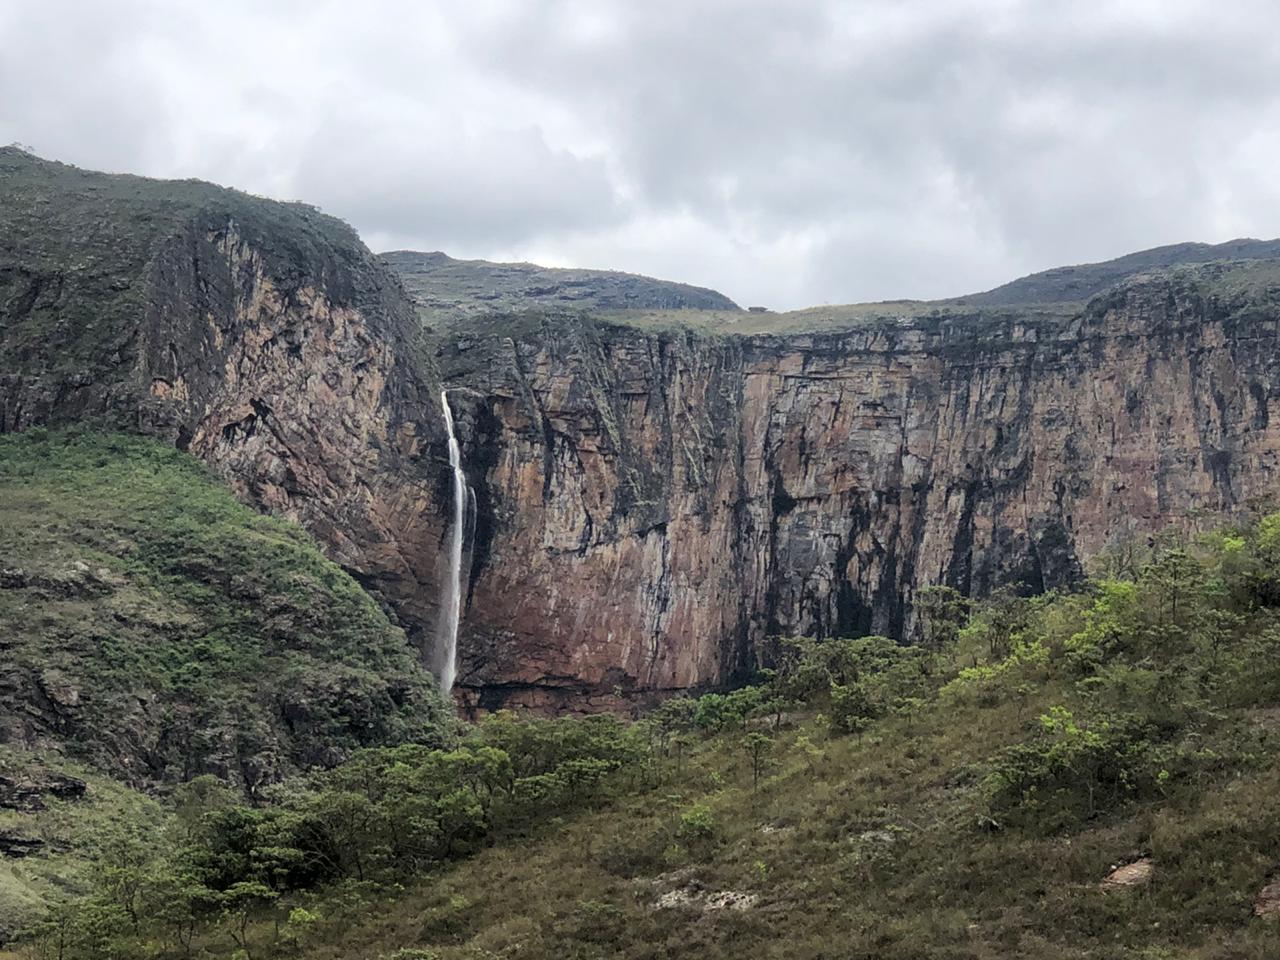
157,629
153,629
962,799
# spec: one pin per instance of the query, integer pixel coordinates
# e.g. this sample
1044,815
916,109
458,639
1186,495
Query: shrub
697,823
1072,771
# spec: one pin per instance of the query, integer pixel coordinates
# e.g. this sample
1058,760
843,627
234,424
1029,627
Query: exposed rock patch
695,897
1133,874
15,846
1267,903
27,793
681,888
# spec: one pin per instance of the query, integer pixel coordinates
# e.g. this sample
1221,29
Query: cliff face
654,507
653,504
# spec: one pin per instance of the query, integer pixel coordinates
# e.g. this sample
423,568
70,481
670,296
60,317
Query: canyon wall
655,506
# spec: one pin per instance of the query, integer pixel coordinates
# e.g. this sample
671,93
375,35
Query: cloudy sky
787,153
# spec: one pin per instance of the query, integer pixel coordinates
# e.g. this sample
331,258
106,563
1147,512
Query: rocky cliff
262,337
656,497
655,506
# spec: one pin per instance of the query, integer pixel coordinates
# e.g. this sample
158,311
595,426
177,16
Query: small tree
757,746
851,708
239,903
122,865
811,751
943,611
180,901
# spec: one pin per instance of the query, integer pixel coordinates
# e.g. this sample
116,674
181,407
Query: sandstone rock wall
655,507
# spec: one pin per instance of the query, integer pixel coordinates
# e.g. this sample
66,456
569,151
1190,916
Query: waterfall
451,601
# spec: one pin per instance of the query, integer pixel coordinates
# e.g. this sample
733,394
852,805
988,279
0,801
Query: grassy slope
68,830
874,846
872,854
158,629
152,628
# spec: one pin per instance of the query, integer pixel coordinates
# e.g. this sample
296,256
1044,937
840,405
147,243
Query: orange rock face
654,507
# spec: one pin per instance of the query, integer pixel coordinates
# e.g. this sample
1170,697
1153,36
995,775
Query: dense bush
385,815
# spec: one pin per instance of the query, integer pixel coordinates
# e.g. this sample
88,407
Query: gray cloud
786,153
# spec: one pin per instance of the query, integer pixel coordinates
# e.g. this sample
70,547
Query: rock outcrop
262,337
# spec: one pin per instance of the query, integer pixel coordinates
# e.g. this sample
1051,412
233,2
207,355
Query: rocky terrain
654,503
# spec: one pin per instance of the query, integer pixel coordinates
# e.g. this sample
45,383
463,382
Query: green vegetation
156,628
62,834
960,799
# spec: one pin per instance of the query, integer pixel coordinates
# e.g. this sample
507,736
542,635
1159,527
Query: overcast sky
787,153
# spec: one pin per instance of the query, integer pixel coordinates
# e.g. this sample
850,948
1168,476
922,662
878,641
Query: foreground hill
153,630
1088,776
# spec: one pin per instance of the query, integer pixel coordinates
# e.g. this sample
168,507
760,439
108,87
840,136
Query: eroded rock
15,846
26,793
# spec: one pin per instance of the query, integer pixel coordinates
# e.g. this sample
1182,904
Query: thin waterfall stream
451,602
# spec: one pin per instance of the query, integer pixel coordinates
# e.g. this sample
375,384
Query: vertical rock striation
655,506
